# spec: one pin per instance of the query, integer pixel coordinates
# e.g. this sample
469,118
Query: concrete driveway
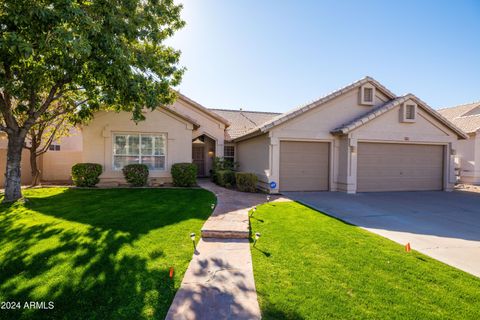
442,225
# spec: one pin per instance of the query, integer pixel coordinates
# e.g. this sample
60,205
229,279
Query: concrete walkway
219,283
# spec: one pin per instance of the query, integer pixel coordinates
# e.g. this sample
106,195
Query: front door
198,155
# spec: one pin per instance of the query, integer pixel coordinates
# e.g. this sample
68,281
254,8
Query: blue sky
276,55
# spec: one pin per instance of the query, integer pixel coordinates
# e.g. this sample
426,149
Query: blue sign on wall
273,185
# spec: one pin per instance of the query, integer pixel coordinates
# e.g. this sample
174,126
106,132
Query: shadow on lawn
89,271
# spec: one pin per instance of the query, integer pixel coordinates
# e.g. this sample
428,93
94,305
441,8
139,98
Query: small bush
136,174
184,174
225,178
86,174
220,164
246,181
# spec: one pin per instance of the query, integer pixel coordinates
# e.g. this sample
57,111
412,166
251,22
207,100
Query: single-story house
359,138
467,118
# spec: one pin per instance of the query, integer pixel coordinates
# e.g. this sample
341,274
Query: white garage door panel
399,167
304,166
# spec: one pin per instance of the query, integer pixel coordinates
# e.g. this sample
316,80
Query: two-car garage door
399,167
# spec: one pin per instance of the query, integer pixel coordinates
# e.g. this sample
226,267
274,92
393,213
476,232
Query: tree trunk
13,189
34,167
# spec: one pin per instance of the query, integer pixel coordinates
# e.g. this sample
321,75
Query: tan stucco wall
208,125
57,165
253,156
97,140
72,142
468,155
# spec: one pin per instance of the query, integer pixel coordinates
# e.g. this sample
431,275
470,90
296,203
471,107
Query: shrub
220,164
184,174
225,178
136,174
246,181
86,174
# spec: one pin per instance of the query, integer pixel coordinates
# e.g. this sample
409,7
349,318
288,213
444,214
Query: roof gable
378,111
316,103
201,108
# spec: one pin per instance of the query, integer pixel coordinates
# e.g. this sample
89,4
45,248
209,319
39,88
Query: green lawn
308,265
98,254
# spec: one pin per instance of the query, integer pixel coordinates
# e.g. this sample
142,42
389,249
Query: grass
308,265
98,254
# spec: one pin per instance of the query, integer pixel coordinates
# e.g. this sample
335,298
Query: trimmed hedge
136,174
184,174
225,178
86,174
246,181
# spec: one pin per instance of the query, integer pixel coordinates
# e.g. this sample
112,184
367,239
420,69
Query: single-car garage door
399,167
304,166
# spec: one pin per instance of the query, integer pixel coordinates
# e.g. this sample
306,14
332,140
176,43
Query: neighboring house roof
306,107
243,121
203,109
374,113
466,116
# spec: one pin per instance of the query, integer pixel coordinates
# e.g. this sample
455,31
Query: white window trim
140,147
404,112
362,94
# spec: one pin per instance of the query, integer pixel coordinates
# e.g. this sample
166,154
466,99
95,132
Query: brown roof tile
243,121
466,116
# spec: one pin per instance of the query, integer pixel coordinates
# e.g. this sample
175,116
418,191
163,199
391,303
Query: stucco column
451,151
219,144
352,152
274,172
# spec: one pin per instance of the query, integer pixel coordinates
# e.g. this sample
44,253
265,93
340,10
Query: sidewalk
219,283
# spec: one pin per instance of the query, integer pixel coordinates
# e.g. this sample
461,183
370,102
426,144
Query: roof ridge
243,115
460,105
239,111
471,115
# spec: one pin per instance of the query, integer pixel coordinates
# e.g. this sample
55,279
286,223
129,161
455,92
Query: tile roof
202,108
281,118
466,116
243,121
377,111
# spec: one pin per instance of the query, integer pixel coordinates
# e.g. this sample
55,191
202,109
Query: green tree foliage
96,54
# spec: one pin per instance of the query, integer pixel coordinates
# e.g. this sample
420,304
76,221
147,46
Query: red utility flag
171,272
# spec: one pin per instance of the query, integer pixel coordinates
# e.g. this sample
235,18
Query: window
149,149
229,153
54,147
367,94
410,112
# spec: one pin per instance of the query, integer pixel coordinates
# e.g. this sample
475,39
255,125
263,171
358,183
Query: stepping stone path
219,283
